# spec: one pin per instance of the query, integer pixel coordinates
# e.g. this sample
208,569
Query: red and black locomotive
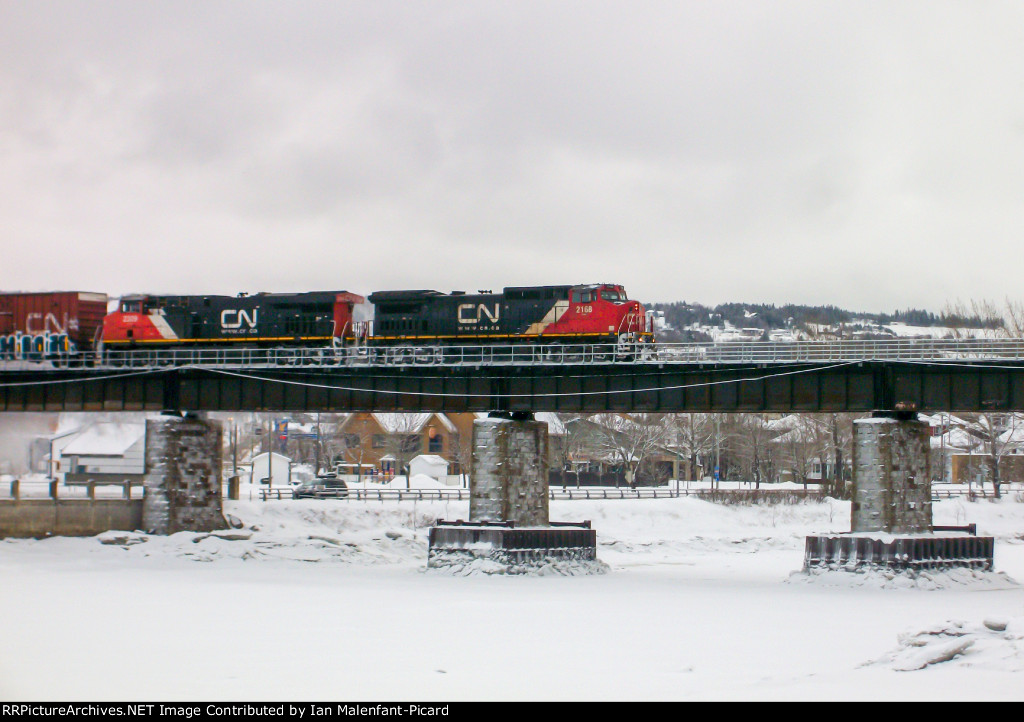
582,314
260,320
598,313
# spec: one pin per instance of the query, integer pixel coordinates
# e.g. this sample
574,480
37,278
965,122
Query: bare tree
992,431
754,449
1007,321
693,435
839,429
805,440
630,439
995,435
461,451
574,441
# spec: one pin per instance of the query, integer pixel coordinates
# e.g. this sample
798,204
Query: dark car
320,487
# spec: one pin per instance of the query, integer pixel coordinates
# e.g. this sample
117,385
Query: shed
430,465
263,465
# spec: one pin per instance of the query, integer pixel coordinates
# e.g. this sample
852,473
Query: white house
431,465
106,451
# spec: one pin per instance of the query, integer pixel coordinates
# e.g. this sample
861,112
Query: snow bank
416,481
993,643
927,580
471,565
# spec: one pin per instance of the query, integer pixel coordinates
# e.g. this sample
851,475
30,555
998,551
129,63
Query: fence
734,495
581,493
20,489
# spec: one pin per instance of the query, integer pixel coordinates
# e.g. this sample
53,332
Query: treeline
682,314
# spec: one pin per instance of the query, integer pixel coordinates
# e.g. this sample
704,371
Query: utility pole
718,457
317,443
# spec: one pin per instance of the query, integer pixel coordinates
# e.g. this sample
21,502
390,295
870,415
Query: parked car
320,487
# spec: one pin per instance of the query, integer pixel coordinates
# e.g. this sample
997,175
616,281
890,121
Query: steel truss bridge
926,375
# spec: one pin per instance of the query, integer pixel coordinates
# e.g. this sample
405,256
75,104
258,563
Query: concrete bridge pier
509,480
892,487
891,511
508,523
183,475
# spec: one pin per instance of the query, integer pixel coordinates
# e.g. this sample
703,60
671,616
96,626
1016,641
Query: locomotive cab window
586,297
613,296
131,307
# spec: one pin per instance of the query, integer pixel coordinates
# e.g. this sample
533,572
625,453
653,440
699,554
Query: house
390,441
610,450
963,451
104,452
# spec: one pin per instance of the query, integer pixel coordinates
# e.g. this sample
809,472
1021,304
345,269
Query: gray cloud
866,154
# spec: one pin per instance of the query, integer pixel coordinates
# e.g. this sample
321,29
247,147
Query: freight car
595,313
49,326
313,319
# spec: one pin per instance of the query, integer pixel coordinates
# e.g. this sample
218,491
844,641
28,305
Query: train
598,313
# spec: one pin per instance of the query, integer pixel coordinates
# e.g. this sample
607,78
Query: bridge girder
848,387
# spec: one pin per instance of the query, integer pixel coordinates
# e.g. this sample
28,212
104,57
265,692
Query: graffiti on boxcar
35,346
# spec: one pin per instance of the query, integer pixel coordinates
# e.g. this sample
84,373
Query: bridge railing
728,352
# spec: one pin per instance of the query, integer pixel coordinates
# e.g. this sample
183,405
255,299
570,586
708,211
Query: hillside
683,321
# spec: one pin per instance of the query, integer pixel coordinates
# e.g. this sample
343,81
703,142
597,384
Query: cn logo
469,314
37,323
230,318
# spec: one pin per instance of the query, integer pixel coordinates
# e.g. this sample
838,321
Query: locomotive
326,320
261,320
596,313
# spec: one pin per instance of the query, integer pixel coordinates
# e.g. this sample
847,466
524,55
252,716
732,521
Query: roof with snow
105,439
411,423
433,459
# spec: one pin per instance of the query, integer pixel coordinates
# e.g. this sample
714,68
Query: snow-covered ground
330,600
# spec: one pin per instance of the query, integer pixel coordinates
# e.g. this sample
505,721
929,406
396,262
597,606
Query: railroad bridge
509,480
965,375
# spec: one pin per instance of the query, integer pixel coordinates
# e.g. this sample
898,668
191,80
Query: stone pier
508,525
183,476
891,512
891,476
509,482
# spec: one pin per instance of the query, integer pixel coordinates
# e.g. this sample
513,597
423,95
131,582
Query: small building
266,464
431,465
106,451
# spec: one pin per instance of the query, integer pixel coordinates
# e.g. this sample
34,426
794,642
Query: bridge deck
834,386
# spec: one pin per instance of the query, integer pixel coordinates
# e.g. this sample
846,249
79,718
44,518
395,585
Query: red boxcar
60,322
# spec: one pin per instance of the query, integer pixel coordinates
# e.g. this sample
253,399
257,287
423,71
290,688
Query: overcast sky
864,154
